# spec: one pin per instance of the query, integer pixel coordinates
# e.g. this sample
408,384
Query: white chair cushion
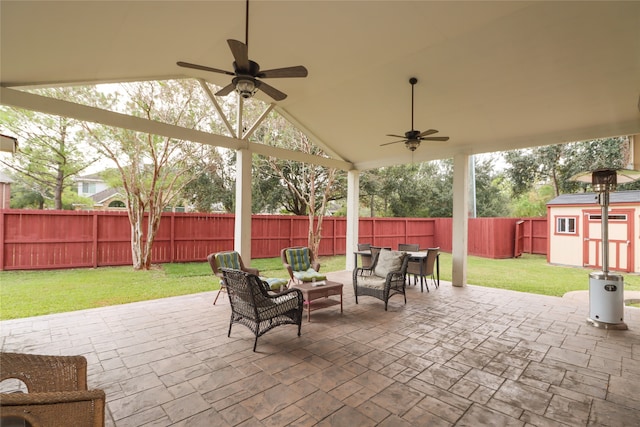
388,261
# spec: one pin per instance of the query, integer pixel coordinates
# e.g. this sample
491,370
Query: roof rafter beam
43,104
215,103
85,113
314,138
258,121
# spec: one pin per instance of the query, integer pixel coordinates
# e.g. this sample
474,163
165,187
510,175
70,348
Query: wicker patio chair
375,250
232,259
301,264
56,395
254,307
386,279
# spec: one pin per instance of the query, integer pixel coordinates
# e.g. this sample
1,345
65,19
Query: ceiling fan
413,137
246,72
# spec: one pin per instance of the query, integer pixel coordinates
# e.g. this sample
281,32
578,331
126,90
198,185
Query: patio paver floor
454,356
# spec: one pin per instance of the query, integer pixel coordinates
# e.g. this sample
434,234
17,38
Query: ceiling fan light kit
412,138
246,72
412,144
245,87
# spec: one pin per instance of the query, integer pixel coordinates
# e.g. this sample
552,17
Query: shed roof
631,196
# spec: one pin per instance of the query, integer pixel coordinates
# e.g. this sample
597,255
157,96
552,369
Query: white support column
353,215
242,230
460,238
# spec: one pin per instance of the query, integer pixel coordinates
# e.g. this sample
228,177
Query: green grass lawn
34,293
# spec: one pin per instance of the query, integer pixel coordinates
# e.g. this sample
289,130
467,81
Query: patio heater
606,289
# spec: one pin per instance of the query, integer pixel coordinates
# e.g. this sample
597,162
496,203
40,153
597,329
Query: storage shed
575,233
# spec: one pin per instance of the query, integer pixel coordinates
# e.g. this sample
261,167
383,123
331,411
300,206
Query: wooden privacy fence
31,239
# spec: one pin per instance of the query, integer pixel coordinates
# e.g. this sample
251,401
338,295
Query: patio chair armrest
289,269
395,275
252,270
289,291
315,265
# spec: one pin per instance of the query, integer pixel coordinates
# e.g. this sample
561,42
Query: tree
214,181
556,164
307,188
51,152
491,190
152,170
533,203
426,190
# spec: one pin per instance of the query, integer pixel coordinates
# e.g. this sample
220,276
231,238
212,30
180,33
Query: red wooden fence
31,239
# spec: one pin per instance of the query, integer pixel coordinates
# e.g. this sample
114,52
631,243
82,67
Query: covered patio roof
493,76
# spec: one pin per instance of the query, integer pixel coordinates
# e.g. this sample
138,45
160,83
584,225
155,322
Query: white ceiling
492,75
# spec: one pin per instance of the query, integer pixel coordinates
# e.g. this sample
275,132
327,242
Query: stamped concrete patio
454,356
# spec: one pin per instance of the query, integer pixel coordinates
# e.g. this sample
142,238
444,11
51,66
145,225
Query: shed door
620,239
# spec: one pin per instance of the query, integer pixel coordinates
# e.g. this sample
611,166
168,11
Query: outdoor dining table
413,256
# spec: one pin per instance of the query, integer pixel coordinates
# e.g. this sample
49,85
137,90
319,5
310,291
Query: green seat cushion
308,275
229,260
274,283
299,259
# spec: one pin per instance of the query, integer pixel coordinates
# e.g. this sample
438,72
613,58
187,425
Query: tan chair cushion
388,261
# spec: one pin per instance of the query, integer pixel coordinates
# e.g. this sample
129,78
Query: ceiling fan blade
226,90
394,142
435,138
271,91
396,136
297,71
428,132
203,68
240,53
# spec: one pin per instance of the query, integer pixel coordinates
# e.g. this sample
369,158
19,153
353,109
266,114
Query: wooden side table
317,297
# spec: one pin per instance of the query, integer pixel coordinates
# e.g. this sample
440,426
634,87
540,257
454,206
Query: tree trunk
155,215
136,217
58,189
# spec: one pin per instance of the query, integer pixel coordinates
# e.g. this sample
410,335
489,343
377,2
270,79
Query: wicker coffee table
317,297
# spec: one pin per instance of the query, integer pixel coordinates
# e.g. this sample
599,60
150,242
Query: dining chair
413,264
424,268
365,259
375,251
409,247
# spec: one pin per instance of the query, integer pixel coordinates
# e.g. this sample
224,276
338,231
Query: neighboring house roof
632,196
104,195
90,177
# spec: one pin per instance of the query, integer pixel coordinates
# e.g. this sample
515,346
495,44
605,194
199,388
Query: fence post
2,227
94,255
172,241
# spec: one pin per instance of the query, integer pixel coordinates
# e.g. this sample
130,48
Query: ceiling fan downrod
413,81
